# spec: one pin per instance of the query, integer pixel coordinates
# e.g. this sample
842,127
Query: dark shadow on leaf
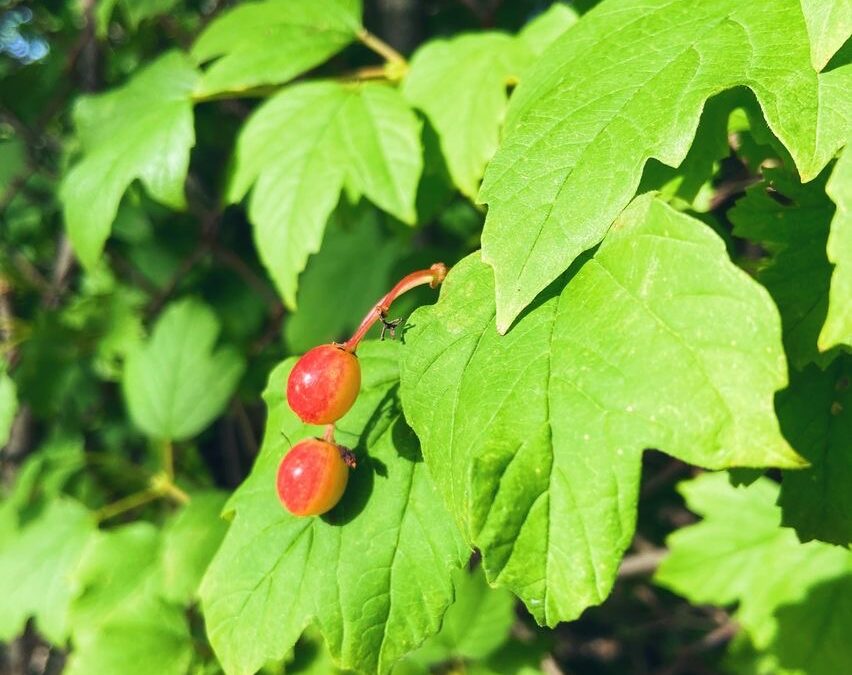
361,478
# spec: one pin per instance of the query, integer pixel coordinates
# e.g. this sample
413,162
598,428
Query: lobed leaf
373,573
739,554
273,41
176,384
141,130
624,85
303,146
535,438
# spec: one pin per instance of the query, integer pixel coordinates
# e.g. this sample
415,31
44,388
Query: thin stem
381,47
432,276
328,436
174,493
128,503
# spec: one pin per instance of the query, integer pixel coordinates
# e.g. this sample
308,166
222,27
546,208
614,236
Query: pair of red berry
321,389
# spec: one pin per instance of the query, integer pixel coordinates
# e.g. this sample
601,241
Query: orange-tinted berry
324,384
312,477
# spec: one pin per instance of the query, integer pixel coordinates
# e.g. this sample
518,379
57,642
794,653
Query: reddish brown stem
432,276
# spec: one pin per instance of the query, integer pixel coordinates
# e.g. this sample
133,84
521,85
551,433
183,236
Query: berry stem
329,433
432,276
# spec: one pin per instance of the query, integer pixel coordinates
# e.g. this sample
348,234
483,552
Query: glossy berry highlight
312,477
324,384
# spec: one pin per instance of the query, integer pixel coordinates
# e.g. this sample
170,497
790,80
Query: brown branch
641,564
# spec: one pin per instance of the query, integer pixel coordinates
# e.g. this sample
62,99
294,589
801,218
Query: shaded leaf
303,146
739,553
141,130
551,188
813,635
816,417
374,573
791,221
460,84
354,264
176,384
535,438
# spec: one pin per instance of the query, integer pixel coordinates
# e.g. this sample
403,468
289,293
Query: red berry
323,384
312,477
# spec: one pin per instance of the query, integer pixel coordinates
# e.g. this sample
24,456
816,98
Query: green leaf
535,438
460,84
739,554
816,417
552,190
176,384
36,567
838,322
351,248
814,635
141,130
791,221
139,10
272,42
189,542
8,405
117,567
475,625
303,146
374,573
829,26
120,623
544,29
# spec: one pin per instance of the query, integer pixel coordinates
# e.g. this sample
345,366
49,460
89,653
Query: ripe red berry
323,384
312,477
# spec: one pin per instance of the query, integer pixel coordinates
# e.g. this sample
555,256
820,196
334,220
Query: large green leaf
792,223
176,384
838,322
303,146
816,417
120,623
739,554
626,84
535,438
460,84
273,41
142,130
374,573
36,567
